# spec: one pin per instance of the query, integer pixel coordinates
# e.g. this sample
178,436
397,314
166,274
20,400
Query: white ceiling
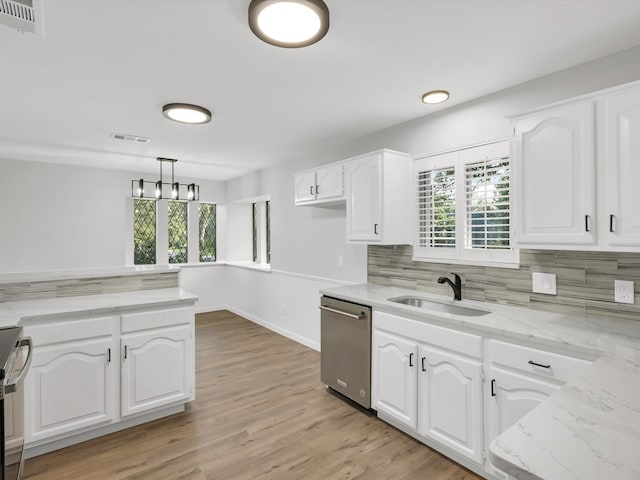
108,66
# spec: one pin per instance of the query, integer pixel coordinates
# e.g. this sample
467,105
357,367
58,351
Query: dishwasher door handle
362,316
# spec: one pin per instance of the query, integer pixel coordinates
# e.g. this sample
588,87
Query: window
254,216
177,225
144,232
268,231
463,207
207,232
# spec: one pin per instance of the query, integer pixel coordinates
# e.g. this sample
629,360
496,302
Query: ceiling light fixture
435,96
289,23
186,113
191,190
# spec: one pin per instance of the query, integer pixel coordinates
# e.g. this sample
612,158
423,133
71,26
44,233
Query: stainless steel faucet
457,286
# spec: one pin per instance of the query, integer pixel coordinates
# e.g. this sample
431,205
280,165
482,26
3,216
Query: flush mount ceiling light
289,23
189,191
435,96
186,113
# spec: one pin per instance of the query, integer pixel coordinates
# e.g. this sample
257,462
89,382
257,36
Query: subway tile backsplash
584,279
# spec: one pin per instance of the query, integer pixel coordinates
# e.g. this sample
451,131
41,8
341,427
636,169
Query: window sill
456,261
261,267
199,264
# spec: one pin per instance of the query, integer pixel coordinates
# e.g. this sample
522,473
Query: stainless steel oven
15,358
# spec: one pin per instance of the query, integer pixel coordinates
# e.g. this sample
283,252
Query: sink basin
438,306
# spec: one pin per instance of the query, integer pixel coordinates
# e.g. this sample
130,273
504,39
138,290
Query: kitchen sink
438,306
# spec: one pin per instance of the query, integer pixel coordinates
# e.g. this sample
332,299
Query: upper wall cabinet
621,172
323,185
577,172
554,176
379,198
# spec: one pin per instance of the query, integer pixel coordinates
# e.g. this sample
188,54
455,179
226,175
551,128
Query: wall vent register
23,15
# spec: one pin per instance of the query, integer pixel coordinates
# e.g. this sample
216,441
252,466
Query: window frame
461,254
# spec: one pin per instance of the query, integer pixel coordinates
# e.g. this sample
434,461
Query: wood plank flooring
260,413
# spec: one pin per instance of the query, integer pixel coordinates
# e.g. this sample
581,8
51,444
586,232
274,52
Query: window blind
487,204
436,208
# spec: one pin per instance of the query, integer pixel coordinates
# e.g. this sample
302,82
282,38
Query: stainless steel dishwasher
345,349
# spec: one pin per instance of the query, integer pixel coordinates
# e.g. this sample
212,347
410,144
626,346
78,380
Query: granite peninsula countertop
590,428
16,313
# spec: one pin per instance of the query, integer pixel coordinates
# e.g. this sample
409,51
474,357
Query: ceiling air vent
23,15
128,138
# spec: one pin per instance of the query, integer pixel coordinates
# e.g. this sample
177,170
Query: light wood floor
260,413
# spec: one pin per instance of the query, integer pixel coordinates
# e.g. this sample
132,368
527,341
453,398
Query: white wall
60,217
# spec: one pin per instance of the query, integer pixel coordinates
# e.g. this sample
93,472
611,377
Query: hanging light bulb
191,191
141,188
159,189
175,190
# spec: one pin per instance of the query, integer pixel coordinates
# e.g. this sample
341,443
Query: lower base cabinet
430,381
155,369
434,391
92,372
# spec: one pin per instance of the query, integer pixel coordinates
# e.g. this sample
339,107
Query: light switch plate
544,283
623,291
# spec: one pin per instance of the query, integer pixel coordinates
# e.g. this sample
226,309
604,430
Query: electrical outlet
623,291
544,283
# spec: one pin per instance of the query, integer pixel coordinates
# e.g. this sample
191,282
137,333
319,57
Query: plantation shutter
487,205
436,208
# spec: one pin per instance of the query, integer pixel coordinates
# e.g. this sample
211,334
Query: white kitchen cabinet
320,186
395,384
520,378
576,173
93,372
621,165
450,401
70,388
431,390
554,170
304,187
378,189
155,369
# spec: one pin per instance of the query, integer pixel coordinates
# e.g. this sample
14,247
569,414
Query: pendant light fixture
186,113
289,23
192,190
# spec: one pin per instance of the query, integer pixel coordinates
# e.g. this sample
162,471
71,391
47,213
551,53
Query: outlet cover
623,291
544,283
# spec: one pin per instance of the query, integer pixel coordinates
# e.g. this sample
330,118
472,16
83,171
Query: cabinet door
305,187
555,174
69,387
155,369
363,176
450,401
330,182
513,396
396,383
622,167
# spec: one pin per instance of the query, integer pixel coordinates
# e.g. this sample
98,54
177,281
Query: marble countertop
590,428
15,313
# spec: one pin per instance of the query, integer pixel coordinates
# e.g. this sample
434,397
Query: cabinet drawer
70,330
134,322
442,337
549,365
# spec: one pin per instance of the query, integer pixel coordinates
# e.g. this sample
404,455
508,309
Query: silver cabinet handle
340,312
23,342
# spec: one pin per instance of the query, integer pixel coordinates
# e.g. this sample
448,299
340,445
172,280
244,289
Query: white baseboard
282,331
